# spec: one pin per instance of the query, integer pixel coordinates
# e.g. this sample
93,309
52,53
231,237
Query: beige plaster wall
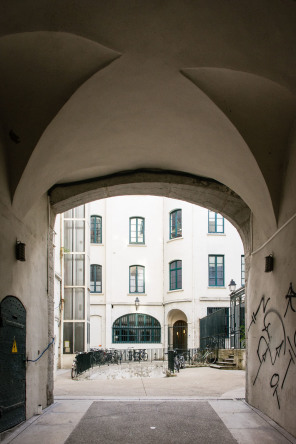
28,282
239,357
271,330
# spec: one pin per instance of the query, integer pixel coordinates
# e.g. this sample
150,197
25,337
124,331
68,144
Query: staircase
227,364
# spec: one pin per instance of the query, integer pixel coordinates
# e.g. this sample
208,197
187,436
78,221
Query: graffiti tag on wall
277,343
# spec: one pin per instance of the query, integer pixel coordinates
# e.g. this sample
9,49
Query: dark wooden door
180,335
12,362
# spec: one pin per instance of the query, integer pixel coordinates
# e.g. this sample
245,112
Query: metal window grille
214,329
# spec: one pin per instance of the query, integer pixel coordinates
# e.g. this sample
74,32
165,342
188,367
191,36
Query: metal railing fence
94,358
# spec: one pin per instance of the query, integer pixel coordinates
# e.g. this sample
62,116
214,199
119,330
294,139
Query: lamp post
137,302
232,286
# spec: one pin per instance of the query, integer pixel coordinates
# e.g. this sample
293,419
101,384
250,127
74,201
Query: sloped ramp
150,422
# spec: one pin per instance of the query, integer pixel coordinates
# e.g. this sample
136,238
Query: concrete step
226,363
222,367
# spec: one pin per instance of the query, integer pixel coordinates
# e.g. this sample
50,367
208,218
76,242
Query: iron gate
12,363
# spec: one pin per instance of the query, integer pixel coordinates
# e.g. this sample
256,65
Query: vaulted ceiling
92,88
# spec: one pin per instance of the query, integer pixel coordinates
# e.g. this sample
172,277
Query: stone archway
177,323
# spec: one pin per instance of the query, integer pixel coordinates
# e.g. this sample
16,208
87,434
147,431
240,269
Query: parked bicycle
205,357
179,361
140,355
97,357
74,368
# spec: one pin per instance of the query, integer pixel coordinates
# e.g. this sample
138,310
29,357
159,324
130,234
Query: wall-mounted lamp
268,263
232,286
137,302
20,251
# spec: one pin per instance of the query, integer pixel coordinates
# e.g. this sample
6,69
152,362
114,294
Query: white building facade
142,272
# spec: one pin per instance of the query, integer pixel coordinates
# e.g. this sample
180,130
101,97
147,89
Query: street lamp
232,286
137,302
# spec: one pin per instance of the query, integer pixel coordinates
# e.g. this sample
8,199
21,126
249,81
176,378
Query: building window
137,230
136,279
136,328
74,304
95,229
243,270
175,224
216,271
176,275
215,223
73,336
95,278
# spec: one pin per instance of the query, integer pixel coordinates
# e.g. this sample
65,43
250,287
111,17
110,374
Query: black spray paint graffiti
290,295
274,343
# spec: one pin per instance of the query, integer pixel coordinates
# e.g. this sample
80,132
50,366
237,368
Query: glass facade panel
74,269
79,336
68,304
79,244
68,346
79,303
74,306
68,236
79,212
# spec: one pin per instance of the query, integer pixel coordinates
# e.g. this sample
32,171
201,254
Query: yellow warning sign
14,347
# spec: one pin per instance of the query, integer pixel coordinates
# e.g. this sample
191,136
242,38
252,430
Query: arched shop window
136,328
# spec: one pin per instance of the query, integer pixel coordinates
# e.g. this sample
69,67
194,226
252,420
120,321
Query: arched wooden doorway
180,334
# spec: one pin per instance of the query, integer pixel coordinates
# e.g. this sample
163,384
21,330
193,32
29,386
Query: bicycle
140,355
74,369
204,357
179,361
97,357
